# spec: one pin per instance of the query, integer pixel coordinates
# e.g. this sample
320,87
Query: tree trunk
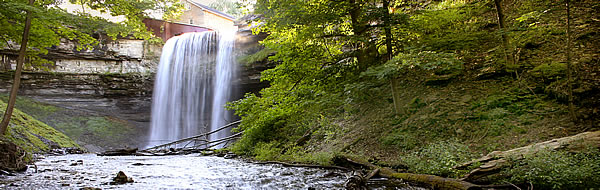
569,66
17,81
495,161
359,28
505,41
395,95
390,53
388,30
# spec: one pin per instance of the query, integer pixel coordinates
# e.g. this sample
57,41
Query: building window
191,21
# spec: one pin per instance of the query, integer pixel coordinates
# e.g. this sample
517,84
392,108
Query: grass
103,131
32,135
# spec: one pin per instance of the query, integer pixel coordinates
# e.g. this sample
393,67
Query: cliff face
248,44
94,91
117,102
106,89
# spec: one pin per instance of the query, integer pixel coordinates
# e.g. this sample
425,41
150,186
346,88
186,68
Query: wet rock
230,155
119,152
65,184
89,188
144,154
79,162
121,178
12,156
332,174
220,154
6,173
63,151
207,153
140,164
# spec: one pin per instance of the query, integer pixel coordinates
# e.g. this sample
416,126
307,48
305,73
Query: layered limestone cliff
108,88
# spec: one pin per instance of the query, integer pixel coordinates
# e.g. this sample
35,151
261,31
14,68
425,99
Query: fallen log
497,160
435,182
119,152
359,182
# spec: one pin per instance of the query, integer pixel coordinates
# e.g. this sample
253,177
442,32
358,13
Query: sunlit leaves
50,24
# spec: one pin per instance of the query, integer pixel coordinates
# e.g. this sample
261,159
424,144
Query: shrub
438,159
550,71
558,169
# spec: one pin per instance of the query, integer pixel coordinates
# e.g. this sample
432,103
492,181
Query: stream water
168,172
78,171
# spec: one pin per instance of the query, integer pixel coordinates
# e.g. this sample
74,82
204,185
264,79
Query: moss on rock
33,135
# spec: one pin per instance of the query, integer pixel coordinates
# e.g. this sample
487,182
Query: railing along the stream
199,141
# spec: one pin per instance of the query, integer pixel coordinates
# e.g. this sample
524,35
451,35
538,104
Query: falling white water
192,85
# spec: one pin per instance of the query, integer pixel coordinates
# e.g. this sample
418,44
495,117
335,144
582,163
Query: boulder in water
12,157
230,155
121,178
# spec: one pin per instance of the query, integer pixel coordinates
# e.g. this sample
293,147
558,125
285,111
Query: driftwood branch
193,137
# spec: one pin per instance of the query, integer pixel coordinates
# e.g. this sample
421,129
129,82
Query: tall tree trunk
389,54
388,29
569,66
17,81
359,28
508,57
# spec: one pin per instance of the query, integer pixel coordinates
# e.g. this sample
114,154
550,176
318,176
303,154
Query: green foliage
513,100
101,129
51,24
552,71
266,151
403,139
558,169
449,25
98,130
230,7
32,107
259,56
438,159
439,63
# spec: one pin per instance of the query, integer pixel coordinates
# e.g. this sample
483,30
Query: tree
13,92
322,46
45,25
569,66
508,57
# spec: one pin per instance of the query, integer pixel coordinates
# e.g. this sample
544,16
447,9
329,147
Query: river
192,171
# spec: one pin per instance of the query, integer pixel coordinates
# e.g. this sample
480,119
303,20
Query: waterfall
192,85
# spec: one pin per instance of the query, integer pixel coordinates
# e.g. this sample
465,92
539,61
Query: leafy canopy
50,24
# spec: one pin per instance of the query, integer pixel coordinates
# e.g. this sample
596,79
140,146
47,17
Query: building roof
214,11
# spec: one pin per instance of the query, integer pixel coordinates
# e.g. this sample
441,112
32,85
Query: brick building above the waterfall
197,17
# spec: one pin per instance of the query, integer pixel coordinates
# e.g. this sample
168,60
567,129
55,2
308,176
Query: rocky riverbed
169,172
193,171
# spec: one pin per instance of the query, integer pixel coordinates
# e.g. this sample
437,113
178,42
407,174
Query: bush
551,71
438,159
558,169
266,151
